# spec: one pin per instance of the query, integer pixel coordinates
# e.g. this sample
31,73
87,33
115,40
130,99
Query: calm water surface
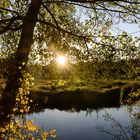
82,125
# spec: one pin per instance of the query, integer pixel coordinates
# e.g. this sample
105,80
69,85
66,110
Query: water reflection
124,131
83,116
83,125
80,116
76,101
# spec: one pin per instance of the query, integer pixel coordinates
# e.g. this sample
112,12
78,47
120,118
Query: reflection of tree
90,111
134,112
131,132
122,132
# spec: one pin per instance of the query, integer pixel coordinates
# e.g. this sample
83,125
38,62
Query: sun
61,60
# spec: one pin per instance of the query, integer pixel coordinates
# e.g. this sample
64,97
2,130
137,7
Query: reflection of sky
78,126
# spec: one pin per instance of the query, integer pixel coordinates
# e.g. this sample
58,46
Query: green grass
55,86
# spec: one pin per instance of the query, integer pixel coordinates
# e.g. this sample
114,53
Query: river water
85,116
89,124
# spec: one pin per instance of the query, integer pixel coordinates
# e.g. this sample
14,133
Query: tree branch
11,19
9,10
60,29
52,15
82,37
82,3
91,1
8,26
10,29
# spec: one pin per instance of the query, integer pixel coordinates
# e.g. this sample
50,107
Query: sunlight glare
61,60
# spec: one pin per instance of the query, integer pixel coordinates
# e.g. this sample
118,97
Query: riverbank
103,86
103,93
78,97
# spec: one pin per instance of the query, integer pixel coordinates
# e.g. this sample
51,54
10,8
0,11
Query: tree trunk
21,56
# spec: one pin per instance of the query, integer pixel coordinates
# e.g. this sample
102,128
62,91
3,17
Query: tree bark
21,56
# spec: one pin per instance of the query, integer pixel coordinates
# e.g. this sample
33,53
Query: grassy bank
56,86
66,95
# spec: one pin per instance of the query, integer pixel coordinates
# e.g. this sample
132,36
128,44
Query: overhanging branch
9,10
8,27
52,15
91,1
85,38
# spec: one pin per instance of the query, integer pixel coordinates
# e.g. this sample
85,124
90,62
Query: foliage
60,28
134,97
38,30
50,85
19,127
90,71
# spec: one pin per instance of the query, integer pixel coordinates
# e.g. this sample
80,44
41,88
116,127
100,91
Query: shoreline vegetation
63,86
56,87
71,97
52,94
77,95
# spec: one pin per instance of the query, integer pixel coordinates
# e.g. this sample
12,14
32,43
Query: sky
132,29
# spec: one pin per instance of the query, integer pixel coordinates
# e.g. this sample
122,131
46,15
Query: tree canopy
32,28
61,25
